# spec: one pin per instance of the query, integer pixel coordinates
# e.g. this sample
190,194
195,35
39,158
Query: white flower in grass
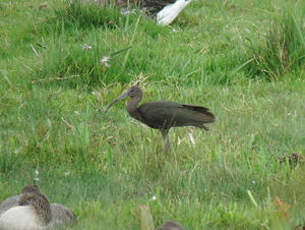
86,47
36,178
153,198
67,173
179,141
253,182
248,31
126,11
76,113
105,61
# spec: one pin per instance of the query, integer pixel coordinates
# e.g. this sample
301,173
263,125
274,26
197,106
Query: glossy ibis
163,115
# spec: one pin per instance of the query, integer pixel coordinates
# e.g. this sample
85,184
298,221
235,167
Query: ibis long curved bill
124,95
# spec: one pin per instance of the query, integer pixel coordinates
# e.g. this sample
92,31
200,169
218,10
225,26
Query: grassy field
243,59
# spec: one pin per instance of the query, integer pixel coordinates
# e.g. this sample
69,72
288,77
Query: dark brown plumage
32,196
30,188
163,115
169,225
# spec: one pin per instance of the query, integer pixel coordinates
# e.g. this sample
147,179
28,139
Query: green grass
220,54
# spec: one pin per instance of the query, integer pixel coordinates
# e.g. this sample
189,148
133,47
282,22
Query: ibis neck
133,109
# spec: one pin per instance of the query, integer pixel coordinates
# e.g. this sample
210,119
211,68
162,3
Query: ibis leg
165,139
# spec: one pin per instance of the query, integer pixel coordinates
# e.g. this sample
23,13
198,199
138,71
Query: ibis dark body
167,114
163,115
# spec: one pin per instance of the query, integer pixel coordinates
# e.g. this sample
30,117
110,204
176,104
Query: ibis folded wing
166,114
